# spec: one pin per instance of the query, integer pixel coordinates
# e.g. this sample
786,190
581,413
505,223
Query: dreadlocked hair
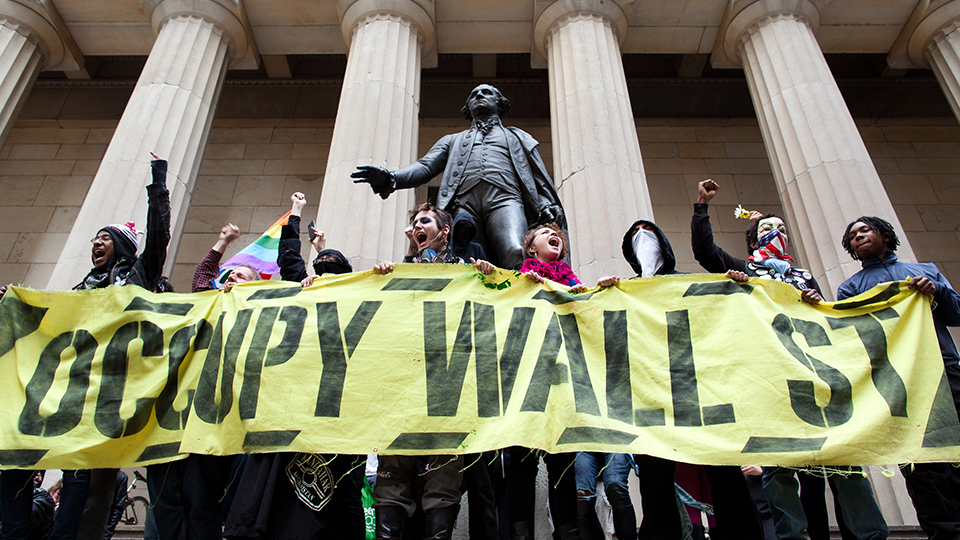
883,228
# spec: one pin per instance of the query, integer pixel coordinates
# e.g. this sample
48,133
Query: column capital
553,13
41,23
930,22
743,17
419,13
228,15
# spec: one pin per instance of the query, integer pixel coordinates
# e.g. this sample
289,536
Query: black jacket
146,269
292,267
669,260
715,260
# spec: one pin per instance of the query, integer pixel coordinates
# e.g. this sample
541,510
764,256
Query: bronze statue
493,173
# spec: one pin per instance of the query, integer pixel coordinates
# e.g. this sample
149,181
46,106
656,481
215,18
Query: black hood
669,260
464,231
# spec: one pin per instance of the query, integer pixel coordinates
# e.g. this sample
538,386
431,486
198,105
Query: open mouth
98,254
554,242
421,237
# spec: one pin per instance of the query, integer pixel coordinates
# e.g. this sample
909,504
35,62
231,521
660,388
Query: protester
209,267
933,487
767,242
115,262
614,470
118,506
430,237
298,495
650,254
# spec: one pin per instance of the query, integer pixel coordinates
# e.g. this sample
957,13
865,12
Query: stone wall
251,166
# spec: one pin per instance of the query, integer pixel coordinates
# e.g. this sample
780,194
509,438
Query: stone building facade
820,111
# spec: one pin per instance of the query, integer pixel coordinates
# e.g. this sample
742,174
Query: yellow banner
436,359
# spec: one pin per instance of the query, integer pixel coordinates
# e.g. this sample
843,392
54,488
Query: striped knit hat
126,239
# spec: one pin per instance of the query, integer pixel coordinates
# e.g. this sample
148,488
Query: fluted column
596,154
32,37
169,113
823,172
377,124
931,38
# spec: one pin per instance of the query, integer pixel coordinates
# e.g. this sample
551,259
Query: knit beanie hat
126,239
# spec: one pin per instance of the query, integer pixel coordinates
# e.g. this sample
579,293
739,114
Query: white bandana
646,245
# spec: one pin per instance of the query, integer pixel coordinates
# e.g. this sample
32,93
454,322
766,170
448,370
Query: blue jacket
946,301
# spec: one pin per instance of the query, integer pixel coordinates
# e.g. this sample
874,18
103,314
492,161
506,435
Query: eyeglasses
103,238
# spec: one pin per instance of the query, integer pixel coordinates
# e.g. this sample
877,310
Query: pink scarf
558,271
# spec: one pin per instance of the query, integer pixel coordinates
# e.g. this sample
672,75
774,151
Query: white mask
646,245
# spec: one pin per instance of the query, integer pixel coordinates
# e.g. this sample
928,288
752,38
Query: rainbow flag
262,254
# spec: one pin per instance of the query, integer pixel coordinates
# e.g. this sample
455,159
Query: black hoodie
669,260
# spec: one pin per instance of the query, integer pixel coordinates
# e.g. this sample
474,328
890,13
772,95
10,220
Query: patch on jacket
311,480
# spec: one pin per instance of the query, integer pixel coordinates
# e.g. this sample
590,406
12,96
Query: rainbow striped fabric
262,254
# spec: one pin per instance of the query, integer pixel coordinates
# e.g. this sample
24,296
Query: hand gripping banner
439,359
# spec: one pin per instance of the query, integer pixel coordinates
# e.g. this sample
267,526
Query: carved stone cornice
228,15
419,14
930,22
743,17
41,23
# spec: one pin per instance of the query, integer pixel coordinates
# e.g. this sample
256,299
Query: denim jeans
613,469
861,514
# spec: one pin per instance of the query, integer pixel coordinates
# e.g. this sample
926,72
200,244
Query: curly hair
880,225
751,233
528,239
503,104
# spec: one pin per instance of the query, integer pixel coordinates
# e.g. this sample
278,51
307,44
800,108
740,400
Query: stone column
169,113
596,154
931,39
32,37
377,124
822,169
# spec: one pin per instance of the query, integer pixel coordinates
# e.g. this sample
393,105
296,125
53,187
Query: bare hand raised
707,190
299,201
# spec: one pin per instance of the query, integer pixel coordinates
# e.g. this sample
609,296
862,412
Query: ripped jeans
613,469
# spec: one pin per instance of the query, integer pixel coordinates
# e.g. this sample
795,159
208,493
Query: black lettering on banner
20,319
942,428
720,288
116,362
885,377
334,354
615,348
547,372
683,372
167,417
513,348
445,379
683,381
70,411
886,294
164,308
840,408
558,298
485,336
293,318
583,396
205,401
595,435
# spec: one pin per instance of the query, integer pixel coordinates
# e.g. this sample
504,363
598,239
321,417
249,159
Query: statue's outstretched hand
381,180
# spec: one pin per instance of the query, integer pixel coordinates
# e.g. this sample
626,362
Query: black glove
381,180
551,213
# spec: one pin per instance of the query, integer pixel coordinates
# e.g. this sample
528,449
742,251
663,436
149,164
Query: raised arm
209,267
711,257
292,267
158,224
